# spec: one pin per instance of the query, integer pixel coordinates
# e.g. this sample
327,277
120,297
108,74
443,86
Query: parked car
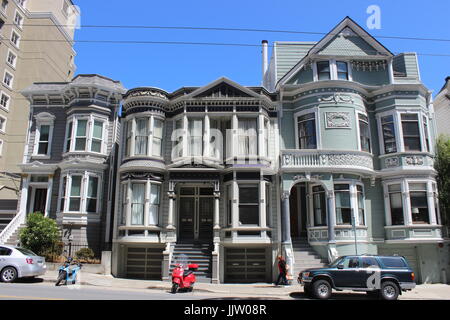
381,276
16,262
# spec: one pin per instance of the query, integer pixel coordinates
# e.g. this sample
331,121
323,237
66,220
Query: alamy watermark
374,19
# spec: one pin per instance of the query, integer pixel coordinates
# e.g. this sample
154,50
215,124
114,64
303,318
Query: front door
196,210
40,200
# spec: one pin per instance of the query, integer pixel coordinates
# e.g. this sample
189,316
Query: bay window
86,134
323,70
144,136
195,137
80,193
396,204
137,203
426,133
360,199
248,205
364,133
388,130
342,70
306,126
266,137
419,203
155,199
343,204
319,206
247,137
411,132
144,206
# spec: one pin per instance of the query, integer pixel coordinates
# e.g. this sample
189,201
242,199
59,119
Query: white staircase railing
15,223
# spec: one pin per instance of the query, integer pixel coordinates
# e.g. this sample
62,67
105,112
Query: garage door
246,265
409,253
144,263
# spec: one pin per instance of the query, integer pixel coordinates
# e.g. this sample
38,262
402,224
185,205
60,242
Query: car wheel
61,277
389,290
9,274
322,289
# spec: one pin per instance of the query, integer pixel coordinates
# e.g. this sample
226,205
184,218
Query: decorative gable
223,90
348,43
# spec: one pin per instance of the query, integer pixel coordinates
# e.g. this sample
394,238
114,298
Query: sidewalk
421,292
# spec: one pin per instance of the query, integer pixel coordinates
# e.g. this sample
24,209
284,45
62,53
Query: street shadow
29,280
335,296
242,298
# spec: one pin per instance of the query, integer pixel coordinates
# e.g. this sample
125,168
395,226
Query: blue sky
170,66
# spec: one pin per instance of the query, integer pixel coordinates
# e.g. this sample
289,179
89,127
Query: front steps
198,253
5,219
13,240
305,257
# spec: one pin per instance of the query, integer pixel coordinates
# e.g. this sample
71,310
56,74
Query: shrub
40,234
54,253
85,254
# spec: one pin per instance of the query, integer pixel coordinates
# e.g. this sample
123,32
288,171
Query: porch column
172,197
431,204
285,218
24,195
216,206
331,217
49,195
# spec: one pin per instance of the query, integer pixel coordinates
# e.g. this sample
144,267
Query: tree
442,166
40,235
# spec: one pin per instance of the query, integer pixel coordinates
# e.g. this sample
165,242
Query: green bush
85,254
40,235
54,253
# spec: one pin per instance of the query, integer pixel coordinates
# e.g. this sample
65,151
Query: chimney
265,61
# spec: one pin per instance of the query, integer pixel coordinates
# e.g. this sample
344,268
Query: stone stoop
14,238
198,253
305,257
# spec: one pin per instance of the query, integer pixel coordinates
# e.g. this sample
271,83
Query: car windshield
26,252
335,262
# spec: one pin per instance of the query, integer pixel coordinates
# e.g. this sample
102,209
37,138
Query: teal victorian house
356,151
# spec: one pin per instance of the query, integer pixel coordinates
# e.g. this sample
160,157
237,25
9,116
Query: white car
16,262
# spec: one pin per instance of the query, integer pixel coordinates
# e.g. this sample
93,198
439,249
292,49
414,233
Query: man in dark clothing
282,268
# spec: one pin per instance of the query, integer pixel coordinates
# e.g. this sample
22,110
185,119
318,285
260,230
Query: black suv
380,276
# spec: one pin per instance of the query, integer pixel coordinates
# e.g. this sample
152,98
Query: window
396,204
44,139
319,206
214,142
129,136
15,38
12,58
427,135
266,137
75,194
411,132
307,131
69,135
137,203
369,262
342,70
419,203
97,137
157,137
123,215
8,79
364,133
350,262
247,137
18,20
155,191
388,129
141,139
436,204
360,196
229,204
22,3
267,202
177,146
343,205
195,137
92,195
393,262
2,124
5,251
323,70
81,135
4,101
248,205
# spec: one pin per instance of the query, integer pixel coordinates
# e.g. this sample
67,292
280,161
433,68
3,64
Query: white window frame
41,119
14,64
19,25
150,126
333,69
17,45
258,147
353,191
3,130
83,191
248,184
6,108
358,131
407,211
89,133
1,147
316,112
399,130
10,85
310,204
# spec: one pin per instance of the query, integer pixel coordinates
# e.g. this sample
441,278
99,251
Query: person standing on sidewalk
282,268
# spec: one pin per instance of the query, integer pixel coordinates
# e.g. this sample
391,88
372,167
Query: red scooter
183,276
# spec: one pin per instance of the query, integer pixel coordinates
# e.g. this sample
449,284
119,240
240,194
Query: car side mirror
340,266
